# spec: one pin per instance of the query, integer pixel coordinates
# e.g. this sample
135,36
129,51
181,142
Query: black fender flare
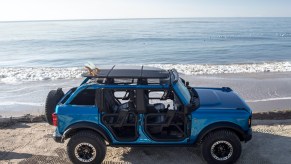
222,125
86,126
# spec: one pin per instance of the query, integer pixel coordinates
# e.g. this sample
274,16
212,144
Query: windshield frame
182,91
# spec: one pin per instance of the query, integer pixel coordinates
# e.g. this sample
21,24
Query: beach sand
32,143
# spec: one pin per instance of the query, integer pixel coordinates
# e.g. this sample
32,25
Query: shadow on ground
12,155
143,155
264,148
61,158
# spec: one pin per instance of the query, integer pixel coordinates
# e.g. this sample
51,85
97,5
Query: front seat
113,105
155,108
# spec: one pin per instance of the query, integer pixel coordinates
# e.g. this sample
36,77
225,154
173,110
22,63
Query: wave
20,74
270,99
15,75
198,69
8,103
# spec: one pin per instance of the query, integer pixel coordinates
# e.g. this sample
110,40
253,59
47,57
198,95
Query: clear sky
16,10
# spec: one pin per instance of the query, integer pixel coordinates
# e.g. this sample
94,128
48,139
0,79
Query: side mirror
187,83
188,109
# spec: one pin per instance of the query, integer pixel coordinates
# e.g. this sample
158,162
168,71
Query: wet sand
262,91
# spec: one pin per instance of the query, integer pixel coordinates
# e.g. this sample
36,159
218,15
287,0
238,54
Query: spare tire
52,99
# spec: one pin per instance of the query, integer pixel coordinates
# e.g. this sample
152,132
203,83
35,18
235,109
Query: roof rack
139,72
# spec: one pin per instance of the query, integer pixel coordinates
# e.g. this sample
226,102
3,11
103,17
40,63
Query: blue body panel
219,98
216,105
204,117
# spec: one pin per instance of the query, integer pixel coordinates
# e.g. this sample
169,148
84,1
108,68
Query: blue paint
216,105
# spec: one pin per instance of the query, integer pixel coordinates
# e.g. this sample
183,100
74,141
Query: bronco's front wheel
86,147
221,147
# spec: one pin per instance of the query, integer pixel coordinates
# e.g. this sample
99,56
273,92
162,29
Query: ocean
40,55
145,41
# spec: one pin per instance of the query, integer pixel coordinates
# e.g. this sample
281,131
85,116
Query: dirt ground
33,143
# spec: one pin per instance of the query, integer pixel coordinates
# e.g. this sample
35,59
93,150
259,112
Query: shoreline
263,92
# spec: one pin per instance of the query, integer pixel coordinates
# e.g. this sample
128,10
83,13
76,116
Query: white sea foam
197,69
15,75
270,99
7,103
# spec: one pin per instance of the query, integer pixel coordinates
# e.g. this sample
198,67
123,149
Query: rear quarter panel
70,114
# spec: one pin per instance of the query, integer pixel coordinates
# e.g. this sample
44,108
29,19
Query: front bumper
248,135
57,137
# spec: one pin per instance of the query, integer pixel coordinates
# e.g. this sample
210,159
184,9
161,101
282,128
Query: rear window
85,97
67,95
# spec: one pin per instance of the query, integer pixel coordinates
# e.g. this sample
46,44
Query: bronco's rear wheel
221,147
86,147
53,97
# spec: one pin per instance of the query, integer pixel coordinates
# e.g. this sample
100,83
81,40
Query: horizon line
101,19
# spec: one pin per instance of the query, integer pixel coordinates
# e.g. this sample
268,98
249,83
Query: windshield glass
184,91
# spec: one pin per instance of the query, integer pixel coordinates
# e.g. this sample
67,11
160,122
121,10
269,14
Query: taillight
250,121
55,119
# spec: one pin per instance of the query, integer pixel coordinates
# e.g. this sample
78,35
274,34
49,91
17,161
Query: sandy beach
27,143
24,142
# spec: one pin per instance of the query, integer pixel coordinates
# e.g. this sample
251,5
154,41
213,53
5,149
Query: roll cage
138,77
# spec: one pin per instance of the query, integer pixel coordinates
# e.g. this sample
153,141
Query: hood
220,98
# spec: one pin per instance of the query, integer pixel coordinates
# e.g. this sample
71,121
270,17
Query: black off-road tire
87,137
221,137
52,99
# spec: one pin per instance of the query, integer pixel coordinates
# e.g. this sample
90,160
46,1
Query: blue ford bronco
144,106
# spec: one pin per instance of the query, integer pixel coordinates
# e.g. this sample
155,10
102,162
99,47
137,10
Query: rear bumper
248,135
57,137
